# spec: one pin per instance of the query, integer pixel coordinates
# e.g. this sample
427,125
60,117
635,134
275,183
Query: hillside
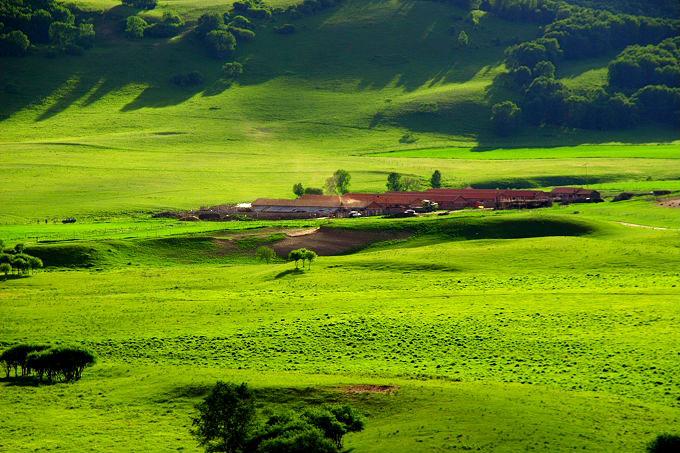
354,79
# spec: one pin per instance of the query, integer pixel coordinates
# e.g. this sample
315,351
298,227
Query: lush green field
492,342
552,330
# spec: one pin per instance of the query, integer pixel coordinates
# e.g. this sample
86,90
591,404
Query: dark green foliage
339,182
313,191
463,39
60,363
436,180
308,7
209,22
506,118
141,4
242,34
540,11
225,418
291,433
319,430
659,103
169,26
638,66
134,27
232,70
240,22
14,43
298,189
544,69
296,256
285,29
266,254
665,443
221,43
5,268
394,182
189,79
15,358
530,53
544,101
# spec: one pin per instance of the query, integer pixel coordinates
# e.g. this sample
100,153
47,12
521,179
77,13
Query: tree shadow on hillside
25,381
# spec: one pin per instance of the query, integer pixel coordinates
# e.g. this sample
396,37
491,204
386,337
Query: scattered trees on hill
639,66
42,22
15,260
339,182
227,422
170,25
54,363
304,255
399,183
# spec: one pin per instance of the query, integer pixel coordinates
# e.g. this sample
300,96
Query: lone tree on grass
225,418
436,180
394,182
339,182
295,255
265,254
298,189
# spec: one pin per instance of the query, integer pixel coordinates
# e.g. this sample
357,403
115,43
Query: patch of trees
227,421
14,260
222,33
140,4
53,363
304,255
300,190
171,24
42,22
639,66
266,254
397,182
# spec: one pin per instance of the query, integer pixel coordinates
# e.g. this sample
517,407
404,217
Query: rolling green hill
107,132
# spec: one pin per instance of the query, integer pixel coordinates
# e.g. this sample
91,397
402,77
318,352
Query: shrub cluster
55,363
14,260
227,421
639,66
140,4
41,22
222,33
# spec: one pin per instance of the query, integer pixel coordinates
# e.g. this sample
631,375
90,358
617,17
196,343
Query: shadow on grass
25,381
289,272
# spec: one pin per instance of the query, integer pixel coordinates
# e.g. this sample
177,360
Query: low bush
285,29
135,27
242,34
141,4
232,70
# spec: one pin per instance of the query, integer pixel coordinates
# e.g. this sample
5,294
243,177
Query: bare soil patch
369,388
674,203
336,241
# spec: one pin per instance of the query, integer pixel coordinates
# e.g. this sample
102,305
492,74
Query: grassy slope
588,322
106,133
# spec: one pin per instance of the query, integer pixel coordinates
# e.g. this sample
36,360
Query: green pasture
490,325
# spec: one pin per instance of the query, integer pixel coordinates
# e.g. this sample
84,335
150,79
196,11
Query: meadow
550,330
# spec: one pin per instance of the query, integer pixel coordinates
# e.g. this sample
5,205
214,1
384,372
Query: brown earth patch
336,241
674,203
369,388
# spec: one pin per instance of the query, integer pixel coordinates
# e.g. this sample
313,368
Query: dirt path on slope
335,241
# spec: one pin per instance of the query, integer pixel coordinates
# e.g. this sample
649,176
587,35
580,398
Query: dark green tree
134,27
505,118
394,182
225,418
436,179
298,189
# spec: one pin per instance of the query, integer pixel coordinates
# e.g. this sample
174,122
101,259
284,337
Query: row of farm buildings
365,204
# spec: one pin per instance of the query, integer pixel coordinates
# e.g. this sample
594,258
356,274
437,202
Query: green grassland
503,332
107,134
551,330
